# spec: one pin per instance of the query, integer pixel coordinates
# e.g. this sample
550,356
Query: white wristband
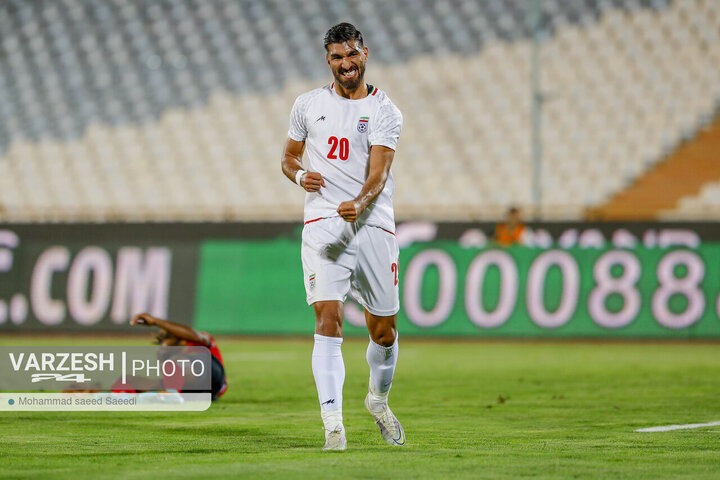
298,176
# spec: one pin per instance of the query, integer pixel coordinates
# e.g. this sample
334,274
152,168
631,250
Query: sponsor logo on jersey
363,124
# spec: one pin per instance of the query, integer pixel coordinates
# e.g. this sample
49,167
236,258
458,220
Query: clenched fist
312,181
350,211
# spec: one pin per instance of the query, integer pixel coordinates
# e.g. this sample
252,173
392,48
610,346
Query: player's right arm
181,331
292,155
291,164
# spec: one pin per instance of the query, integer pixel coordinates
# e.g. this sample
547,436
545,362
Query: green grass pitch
471,409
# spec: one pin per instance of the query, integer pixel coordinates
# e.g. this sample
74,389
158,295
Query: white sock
382,361
329,372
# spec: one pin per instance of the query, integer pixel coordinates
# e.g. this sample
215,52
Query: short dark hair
342,32
163,335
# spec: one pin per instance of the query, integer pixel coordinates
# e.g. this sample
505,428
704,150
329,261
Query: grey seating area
177,109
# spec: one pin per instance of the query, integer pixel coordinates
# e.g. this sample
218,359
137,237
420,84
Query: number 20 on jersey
339,147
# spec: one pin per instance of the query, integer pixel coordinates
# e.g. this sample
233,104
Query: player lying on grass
173,334
349,130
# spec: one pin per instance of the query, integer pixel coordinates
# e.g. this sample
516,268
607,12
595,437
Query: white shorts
340,257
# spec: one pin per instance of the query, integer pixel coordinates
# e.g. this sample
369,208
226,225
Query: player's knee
328,319
384,335
328,326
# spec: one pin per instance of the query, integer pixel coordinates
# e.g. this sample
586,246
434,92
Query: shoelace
386,418
334,430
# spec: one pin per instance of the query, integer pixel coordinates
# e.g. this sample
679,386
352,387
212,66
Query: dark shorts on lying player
177,383
218,381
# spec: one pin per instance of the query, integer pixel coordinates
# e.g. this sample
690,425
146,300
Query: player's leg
328,318
375,285
327,282
329,370
382,354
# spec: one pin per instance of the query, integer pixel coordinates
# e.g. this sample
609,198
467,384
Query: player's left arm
381,159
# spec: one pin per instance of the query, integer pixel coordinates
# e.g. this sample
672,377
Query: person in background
512,230
173,334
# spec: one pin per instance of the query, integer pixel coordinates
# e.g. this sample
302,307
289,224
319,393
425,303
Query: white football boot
390,428
335,439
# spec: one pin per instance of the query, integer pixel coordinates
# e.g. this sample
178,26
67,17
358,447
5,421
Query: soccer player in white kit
350,131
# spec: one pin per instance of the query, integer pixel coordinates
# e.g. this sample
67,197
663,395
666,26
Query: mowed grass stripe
470,410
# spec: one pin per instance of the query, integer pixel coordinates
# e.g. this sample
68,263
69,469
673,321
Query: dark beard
351,84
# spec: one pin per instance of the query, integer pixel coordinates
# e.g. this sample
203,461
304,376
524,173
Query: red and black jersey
218,378
176,382
214,350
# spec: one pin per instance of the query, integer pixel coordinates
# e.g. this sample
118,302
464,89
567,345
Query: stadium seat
160,110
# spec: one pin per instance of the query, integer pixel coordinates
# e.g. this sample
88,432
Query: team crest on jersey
363,124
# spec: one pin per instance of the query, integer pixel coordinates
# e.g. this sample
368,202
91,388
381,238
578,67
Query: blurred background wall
140,144
176,110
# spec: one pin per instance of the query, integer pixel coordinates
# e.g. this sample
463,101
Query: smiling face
347,61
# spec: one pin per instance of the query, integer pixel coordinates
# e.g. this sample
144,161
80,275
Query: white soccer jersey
338,133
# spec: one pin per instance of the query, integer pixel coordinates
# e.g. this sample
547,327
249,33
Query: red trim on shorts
388,231
333,85
314,220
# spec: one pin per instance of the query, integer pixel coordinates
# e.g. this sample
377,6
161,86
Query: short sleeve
388,126
298,126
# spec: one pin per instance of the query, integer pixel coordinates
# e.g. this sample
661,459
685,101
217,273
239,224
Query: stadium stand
177,110
703,206
677,188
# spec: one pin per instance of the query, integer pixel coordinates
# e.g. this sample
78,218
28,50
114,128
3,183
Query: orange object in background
511,231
